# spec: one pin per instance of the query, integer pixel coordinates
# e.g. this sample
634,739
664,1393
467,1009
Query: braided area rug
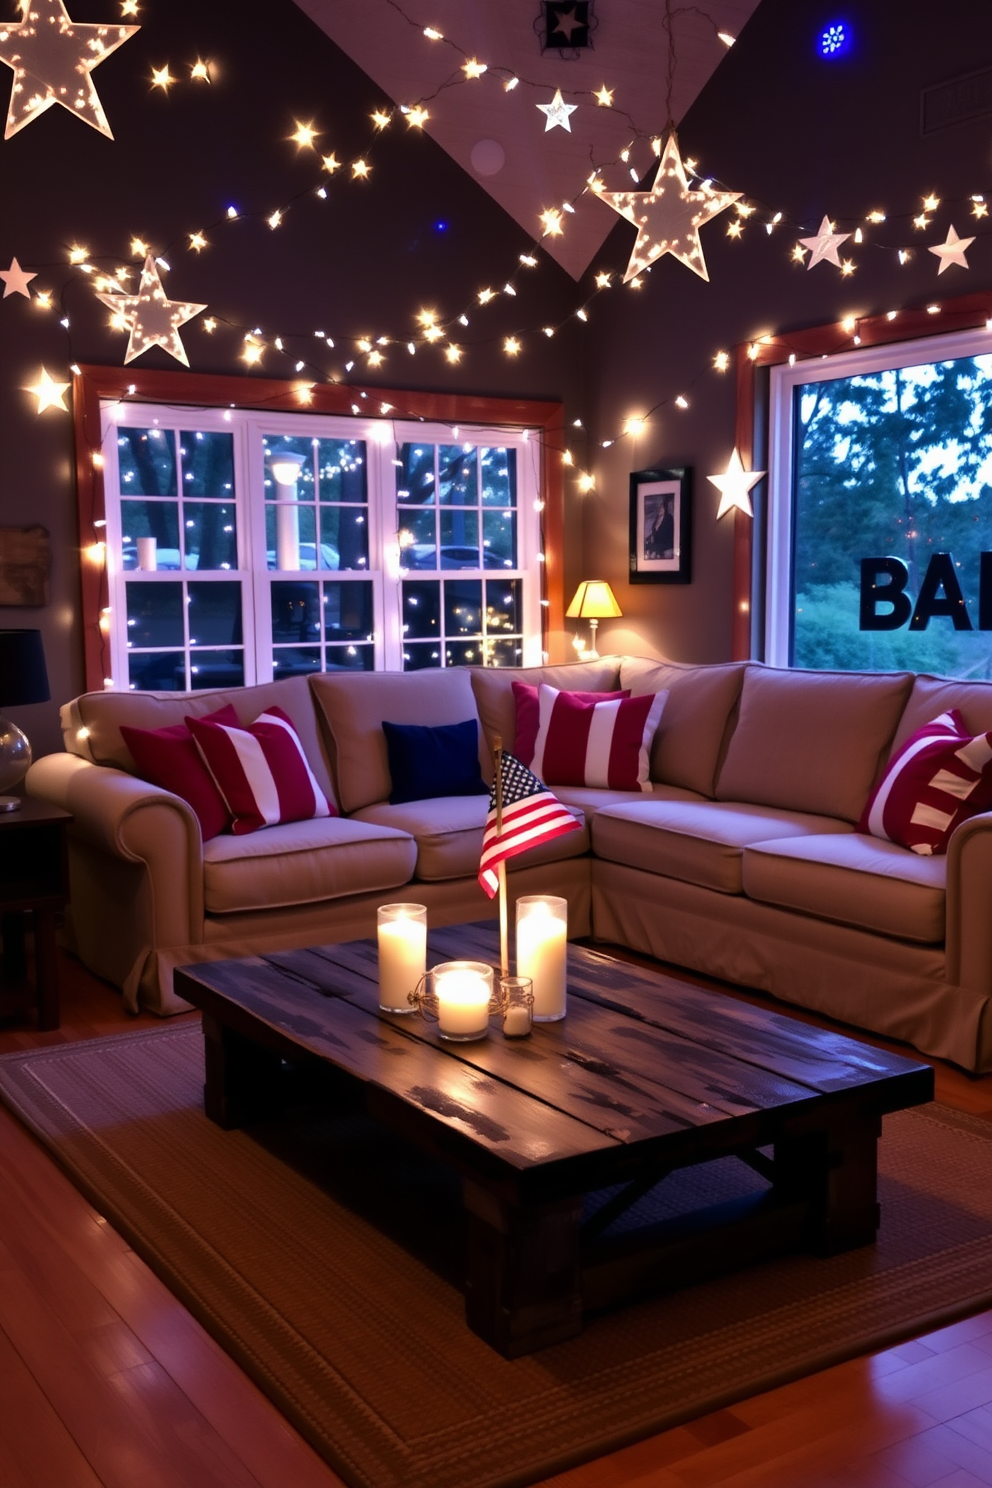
325,1257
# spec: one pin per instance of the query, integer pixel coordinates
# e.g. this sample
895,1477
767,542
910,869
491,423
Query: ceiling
499,137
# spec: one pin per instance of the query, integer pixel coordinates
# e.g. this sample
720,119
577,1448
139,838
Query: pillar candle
463,997
542,930
402,954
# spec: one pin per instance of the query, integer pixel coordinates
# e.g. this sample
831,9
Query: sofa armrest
129,841
969,904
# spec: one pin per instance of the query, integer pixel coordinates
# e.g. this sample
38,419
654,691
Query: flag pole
504,960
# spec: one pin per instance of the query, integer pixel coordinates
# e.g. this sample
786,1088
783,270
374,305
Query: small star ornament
952,250
52,58
669,216
50,394
15,280
152,319
734,485
556,112
823,248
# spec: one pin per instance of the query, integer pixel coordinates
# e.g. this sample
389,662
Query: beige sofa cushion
932,696
700,842
303,863
697,719
493,687
354,705
448,833
811,741
854,879
91,723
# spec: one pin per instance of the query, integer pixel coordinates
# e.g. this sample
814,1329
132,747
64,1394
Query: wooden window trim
91,384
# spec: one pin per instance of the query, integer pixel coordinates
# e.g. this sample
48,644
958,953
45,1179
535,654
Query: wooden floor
106,1379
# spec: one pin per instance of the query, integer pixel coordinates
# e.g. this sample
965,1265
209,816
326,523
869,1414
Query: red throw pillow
529,715
261,771
604,744
169,758
940,777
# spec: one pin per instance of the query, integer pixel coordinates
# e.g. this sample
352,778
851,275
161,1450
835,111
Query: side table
34,878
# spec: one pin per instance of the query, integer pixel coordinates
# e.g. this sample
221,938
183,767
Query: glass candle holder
542,930
516,996
458,996
402,938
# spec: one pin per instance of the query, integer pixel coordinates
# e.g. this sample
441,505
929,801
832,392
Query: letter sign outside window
892,592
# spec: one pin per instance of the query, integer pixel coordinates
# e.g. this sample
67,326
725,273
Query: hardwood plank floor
105,1379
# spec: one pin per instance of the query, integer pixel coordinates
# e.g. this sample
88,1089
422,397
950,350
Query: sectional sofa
743,861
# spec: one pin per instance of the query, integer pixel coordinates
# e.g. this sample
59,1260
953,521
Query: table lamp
23,679
594,601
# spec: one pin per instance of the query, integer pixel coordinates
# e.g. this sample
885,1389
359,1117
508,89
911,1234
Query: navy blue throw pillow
441,761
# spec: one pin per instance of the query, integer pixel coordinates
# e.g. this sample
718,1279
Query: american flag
531,814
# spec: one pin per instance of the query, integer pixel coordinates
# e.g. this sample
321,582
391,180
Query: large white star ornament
669,216
15,280
952,251
152,319
734,485
50,394
52,58
556,112
823,248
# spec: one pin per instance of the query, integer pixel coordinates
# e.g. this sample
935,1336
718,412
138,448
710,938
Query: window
880,519
239,544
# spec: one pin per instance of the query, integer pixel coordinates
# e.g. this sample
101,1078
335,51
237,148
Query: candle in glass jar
402,953
463,997
542,930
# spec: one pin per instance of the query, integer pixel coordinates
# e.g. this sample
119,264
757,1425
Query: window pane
295,612
217,669
157,671
350,659
149,535
344,538
893,465
504,605
419,658
215,614
288,467
499,539
421,610
210,535
415,476
504,653
499,477
154,614
463,607
459,475
147,461
418,548
460,539
208,463
348,612
341,470
464,653
294,661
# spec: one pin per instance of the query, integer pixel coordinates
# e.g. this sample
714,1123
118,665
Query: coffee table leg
239,1075
838,1168
523,1290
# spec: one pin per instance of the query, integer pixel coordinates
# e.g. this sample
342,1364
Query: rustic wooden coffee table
646,1075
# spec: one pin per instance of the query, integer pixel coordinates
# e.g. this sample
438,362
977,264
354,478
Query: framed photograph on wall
660,526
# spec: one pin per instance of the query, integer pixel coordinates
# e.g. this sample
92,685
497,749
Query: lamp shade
594,600
23,676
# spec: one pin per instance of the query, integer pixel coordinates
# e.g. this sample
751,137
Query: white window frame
785,378
382,439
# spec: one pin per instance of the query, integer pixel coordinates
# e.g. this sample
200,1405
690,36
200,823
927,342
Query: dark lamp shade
23,676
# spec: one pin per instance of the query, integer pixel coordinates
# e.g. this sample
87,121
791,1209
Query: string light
162,78
303,136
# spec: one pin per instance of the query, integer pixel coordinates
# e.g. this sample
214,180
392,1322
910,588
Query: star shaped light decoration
823,248
15,280
669,216
50,394
734,485
556,112
952,251
152,319
52,58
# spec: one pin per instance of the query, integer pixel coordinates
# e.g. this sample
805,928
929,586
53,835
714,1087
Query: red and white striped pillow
940,777
261,771
604,744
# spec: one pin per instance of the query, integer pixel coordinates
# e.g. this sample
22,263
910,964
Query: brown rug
325,1258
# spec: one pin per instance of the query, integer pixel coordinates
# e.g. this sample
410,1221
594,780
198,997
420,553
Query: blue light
834,40
441,226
